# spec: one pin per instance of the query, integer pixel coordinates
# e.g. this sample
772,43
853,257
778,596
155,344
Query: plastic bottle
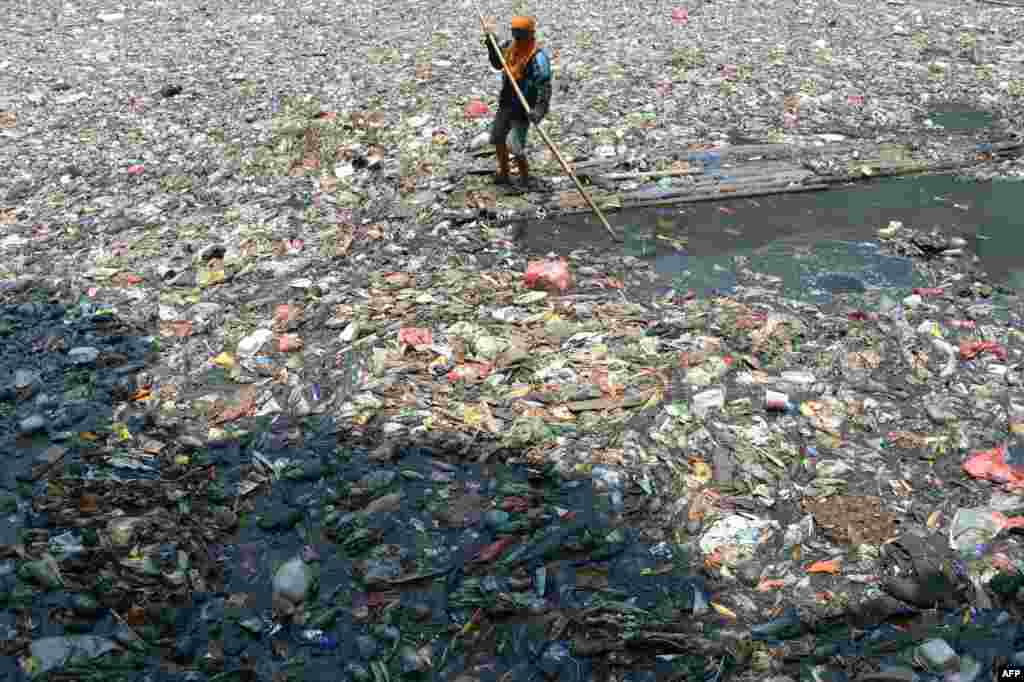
775,401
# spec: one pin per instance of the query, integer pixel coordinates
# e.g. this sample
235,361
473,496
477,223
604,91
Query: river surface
819,243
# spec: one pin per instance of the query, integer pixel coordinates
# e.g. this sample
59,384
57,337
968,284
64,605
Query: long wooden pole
547,140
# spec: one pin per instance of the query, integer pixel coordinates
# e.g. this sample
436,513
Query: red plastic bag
1009,522
991,465
552,275
970,349
477,109
928,291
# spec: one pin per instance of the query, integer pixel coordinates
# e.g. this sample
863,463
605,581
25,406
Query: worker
530,65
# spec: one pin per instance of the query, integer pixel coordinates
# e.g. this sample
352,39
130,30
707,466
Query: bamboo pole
547,140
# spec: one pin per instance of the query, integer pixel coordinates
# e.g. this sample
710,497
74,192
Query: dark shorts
504,124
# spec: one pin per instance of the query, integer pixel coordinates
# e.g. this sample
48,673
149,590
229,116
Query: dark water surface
817,242
955,116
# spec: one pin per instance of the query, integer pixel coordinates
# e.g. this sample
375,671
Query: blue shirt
535,85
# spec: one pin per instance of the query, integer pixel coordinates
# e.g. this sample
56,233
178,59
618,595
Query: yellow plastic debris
724,611
121,431
225,360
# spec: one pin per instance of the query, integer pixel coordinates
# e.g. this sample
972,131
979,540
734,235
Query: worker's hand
489,25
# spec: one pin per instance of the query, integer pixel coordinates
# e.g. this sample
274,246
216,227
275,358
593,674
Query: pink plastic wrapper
415,336
289,343
552,275
470,371
991,465
970,349
680,15
477,109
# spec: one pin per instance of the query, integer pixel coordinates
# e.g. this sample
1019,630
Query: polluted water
818,243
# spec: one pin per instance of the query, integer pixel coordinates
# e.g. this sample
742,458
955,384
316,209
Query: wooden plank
753,190
754,150
762,165
788,176
732,185
896,169
758,191
596,163
783,151
794,174
650,174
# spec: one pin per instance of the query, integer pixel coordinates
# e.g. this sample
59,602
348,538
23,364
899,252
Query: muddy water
819,243
956,116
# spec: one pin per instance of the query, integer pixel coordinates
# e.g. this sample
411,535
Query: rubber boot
524,171
501,151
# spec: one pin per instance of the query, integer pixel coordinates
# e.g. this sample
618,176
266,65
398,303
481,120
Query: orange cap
529,23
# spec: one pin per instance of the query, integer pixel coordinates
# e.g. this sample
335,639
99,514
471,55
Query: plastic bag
970,349
973,529
992,465
552,275
415,336
477,109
